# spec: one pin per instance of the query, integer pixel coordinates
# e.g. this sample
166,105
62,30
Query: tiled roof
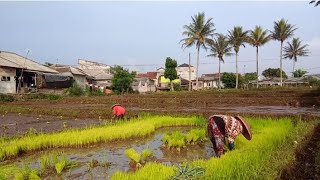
185,65
150,75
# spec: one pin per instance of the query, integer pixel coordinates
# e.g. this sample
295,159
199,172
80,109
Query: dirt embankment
307,163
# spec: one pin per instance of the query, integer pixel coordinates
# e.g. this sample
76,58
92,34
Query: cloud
314,44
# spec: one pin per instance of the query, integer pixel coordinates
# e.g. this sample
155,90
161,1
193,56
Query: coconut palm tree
316,3
258,37
220,47
237,37
198,33
295,49
282,31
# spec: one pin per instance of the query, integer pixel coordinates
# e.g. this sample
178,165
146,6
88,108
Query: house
275,81
207,81
19,73
183,71
78,76
98,75
143,85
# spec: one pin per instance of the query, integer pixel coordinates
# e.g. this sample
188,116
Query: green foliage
97,92
299,73
196,135
187,172
146,153
270,149
75,90
34,176
229,80
82,137
6,98
54,97
249,77
314,82
133,155
273,72
170,70
176,140
122,79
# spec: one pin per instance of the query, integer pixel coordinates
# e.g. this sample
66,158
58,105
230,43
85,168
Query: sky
140,35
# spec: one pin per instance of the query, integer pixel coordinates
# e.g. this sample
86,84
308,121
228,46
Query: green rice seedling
44,163
83,137
195,135
105,162
133,155
34,176
151,170
270,149
19,176
145,154
187,172
175,140
60,166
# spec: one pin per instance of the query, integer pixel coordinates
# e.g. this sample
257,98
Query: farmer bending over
221,126
118,111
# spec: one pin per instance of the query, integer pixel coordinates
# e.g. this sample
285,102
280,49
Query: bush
98,92
75,90
314,82
6,98
54,97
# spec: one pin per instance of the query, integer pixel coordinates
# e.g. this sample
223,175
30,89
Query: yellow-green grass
77,138
271,148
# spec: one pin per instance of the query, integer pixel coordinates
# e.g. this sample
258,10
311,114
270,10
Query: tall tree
198,33
237,37
258,37
121,80
220,47
316,3
295,49
282,30
170,71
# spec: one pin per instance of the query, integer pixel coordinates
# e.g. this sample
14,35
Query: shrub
75,90
6,98
54,97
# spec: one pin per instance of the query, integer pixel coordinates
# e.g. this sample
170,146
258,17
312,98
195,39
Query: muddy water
114,153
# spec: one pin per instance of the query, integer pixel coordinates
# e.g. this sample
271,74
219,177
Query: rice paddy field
39,140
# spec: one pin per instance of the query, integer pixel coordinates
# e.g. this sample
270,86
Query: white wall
183,72
80,80
7,86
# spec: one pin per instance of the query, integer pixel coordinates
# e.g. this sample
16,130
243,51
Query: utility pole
189,74
20,78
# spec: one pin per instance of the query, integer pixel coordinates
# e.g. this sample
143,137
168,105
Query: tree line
200,32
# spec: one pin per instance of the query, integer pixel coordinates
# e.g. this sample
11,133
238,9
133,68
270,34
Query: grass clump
187,172
6,98
133,155
178,140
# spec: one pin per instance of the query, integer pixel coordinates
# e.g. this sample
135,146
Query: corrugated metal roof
10,59
98,74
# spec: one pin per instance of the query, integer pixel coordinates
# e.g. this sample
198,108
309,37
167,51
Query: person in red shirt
118,111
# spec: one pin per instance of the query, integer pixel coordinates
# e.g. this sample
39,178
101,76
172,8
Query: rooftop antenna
24,64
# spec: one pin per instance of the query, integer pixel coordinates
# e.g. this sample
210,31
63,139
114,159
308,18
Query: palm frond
295,49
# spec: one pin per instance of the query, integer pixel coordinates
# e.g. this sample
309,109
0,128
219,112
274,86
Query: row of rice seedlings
178,140
27,173
271,148
138,159
83,137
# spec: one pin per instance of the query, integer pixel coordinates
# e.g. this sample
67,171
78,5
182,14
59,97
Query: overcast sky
145,33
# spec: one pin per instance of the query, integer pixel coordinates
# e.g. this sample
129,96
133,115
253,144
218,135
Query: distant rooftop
10,59
185,65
